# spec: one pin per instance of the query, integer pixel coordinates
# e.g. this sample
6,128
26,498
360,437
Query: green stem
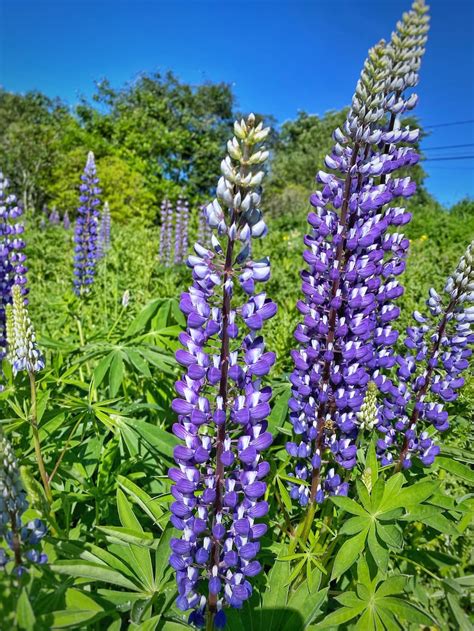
304,528
210,620
36,438
81,342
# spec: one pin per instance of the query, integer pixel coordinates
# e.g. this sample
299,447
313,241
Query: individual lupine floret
222,405
22,539
346,337
12,258
429,372
86,231
23,352
103,243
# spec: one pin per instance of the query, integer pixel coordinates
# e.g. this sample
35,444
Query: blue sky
281,56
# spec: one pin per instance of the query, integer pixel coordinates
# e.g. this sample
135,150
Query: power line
466,122
469,144
450,158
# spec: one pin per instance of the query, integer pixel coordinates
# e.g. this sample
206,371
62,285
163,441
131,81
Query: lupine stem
36,438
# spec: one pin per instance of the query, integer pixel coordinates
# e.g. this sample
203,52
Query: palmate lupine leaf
373,520
377,602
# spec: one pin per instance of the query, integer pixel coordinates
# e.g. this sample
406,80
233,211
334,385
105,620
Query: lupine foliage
156,474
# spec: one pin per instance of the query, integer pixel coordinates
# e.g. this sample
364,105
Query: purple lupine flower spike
54,217
103,242
66,221
184,230
169,233
178,232
12,258
204,232
22,539
429,372
163,218
347,334
86,230
222,404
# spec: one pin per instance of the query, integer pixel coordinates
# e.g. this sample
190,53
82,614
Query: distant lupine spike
222,404
163,229
12,258
22,539
66,221
347,333
204,231
86,230
168,233
54,217
429,373
23,352
178,232
103,242
184,230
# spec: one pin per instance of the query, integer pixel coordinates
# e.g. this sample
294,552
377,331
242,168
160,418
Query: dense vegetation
104,397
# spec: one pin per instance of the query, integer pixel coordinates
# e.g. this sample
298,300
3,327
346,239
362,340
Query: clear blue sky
281,56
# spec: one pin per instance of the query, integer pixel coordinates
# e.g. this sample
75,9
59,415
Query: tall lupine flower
178,227
86,231
163,218
168,234
184,229
12,258
23,352
66,220
346,336
222,405
22,539
204,232
103,243
429,372
54,217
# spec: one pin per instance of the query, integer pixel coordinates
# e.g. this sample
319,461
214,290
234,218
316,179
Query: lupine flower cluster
54,217
429,372
222,404
66,220
23,352
166,232
354,257
22,539
181,231
12,258
103,242
204,233
86,230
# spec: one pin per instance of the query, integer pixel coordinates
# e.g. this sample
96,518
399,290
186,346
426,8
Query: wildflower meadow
236,389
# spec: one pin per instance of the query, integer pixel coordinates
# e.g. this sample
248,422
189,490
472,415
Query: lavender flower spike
86,230
346,336
12,258
429,372
178,255
222,404
103,243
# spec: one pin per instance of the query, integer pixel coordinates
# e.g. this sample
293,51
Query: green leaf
354,525
348,505
142,319
285,496
378,551
348,554
456,468
275,595
93,572
340,617
151,507
157,438
279,411
390,535
101,369
405,610
393,585
137,360
304,603
116,373
24,612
